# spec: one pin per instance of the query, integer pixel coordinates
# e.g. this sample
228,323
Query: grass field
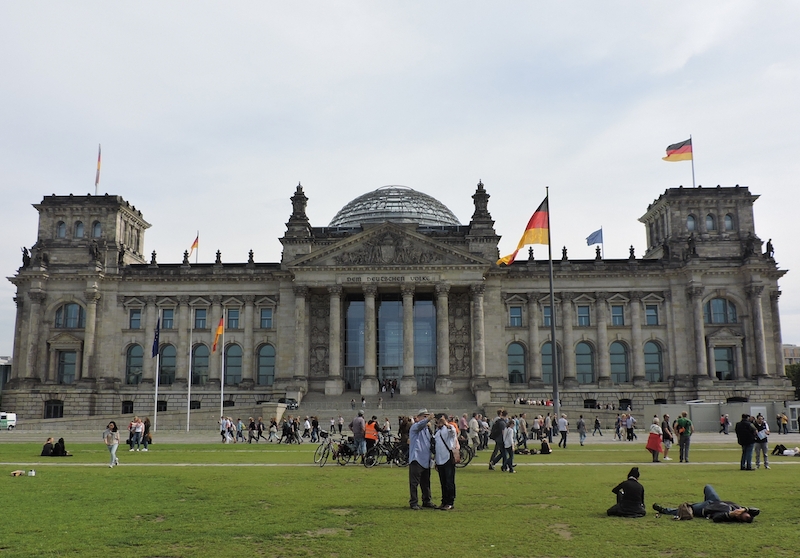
239,501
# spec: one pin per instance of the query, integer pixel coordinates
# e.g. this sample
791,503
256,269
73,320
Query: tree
793,373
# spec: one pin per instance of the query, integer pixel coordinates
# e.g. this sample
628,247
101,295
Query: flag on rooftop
97,176
219,332
679,151
537,232
595,238
194,244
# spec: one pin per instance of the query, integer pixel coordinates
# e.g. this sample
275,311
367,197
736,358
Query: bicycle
324,450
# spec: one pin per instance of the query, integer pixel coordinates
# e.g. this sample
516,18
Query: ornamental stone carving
300,291
388,248
460,332
319,335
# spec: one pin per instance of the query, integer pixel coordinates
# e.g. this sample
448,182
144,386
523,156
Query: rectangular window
135,320
200,318
161,406
546,314
617,315
233,318
67,364
651,314
167,318
723,363
515,316
583,316
266,318
127,407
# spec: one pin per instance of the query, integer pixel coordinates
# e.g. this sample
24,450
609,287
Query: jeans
563,439
683,445
112,449
709,495
419,476
761,449
747,456
361,446
447,478
581,437
136,440
497,452
597,429
508,459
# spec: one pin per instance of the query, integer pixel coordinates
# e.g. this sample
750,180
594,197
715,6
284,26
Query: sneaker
667,459
430,505
110,466
766,466
491,466
137,449
130,449
753,511
116,462
658,508
415,507
145,449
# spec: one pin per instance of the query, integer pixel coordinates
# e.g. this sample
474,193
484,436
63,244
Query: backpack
685,512
497,429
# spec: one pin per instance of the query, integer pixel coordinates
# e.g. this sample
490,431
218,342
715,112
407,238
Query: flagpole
693,182
189,386
553,345
158,362
222,366
602,244
197,252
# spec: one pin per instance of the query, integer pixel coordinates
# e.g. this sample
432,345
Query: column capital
92,297
335,290
667,295
370,290
567,296
754,291
442,289
121,300
407,289
601,296
249,299
18,300
150,300
477,289
695,292
216,299
37,297
635,296
183,300
533,296
774,296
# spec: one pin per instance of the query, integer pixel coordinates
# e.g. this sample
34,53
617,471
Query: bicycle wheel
401,458
344,456
466,457
318,453
372,457
325,453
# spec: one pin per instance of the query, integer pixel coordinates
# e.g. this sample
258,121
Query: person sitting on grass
47,449
630,497
60,449
713,508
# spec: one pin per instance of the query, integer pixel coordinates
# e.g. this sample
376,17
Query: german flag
195,244
679,151
537,232
219,332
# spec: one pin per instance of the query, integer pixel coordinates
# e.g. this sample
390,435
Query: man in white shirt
445,463
563,429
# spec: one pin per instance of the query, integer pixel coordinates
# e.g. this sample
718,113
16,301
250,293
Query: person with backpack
496,434
684,428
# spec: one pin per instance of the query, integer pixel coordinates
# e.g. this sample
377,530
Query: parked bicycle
325,449
387,451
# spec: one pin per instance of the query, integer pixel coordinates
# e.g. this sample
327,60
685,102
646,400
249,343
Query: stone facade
351,307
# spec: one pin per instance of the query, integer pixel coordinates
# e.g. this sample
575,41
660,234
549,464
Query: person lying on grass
713,508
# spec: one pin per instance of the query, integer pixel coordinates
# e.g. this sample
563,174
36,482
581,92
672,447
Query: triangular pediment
388,245
583,298
515,298
725,335
65,341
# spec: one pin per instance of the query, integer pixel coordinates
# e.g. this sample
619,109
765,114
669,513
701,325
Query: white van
8,421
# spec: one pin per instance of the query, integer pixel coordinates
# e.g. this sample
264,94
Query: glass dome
394,203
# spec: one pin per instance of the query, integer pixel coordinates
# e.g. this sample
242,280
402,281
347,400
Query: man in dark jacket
630,497
746,435
715,509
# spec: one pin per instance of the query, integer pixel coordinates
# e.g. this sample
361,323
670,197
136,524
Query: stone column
569,342
780,369
740,375
408,383
182,356
214,358
478,334
671,350
16,354
443,382
637,350
712,364
534,354
299,375
754,294
92,296
603,361
334,384
701,372
149,317
34,319
248,366
369,383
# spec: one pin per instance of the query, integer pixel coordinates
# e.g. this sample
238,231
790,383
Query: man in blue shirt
419,461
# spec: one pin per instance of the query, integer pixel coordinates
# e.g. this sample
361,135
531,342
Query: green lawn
244,507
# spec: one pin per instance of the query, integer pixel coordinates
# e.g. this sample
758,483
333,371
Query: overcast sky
210,113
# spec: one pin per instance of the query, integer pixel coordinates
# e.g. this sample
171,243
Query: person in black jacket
713,508
746,435
47,449
630,497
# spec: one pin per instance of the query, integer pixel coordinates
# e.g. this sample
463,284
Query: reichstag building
394,288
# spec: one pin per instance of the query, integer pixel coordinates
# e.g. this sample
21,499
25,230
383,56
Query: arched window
653,362
266,365
690,224
547,363
729,222
166,373
516,363
97,229
719,311
70,316
61,230
79,229
233,365
711,224
619,362
133,364
200,365
584,363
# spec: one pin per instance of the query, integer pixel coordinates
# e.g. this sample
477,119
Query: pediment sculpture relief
389,248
